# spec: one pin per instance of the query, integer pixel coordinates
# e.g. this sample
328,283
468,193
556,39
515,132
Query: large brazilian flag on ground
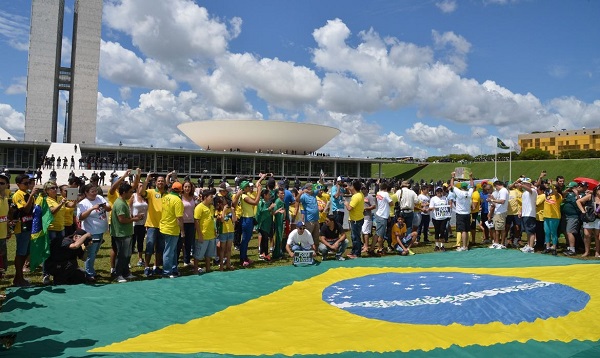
477,303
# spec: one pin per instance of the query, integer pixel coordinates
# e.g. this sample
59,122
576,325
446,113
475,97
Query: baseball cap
526,181
177,186
224,186
299,224
340,178
572,184
464,185
244,184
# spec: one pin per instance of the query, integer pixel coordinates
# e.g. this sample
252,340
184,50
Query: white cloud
125,93
172,32
19,86
12,121
281,84
123,67
374,74
360,138
455,47
440,136
65,52
447,6
14,29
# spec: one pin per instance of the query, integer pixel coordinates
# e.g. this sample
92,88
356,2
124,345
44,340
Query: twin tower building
46,77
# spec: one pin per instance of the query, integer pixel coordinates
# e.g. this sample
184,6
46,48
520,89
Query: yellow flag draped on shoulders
40,243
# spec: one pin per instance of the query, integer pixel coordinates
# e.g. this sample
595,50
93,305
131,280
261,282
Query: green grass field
103,260
569,168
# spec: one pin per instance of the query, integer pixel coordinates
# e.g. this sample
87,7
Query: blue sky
398,77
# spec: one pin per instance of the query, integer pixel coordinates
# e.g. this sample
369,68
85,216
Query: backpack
590,213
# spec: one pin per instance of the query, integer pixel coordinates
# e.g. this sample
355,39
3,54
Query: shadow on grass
17,298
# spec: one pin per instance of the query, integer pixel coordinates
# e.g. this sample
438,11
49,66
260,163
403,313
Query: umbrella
591,183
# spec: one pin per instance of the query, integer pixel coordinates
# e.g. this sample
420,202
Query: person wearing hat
528,212
155,243
171,228
299,239
248,202
570,212
406,203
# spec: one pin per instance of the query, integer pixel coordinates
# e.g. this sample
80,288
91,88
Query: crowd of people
179,225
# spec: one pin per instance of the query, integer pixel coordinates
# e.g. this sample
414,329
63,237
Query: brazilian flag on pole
501,144
40,242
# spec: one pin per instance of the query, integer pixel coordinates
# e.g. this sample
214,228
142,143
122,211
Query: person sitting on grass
401,241
299,240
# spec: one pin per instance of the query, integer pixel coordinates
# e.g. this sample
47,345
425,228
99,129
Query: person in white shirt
528,212
382,215
299,240
440,211
462,208
425,217
406,200
498,214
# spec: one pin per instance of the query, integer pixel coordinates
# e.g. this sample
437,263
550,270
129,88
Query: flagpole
495,161
510,164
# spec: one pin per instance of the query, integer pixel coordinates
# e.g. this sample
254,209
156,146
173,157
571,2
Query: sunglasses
2,183
25,183
53,188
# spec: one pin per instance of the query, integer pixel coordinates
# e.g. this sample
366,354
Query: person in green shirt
279,222
264,218
121,230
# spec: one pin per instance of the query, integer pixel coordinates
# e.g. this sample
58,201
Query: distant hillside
569,168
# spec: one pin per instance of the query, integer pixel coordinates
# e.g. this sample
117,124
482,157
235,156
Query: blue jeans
408,220
323,250
247,228
356,227
92,250
154,239
169,257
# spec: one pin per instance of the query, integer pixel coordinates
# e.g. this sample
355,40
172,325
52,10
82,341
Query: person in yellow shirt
24,199
4,219
551,219
539,218
205,245
171,227
356,209
56,231
513,222
226,216
475,207
155,243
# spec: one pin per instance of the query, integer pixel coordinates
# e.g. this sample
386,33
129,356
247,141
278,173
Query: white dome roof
252,135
